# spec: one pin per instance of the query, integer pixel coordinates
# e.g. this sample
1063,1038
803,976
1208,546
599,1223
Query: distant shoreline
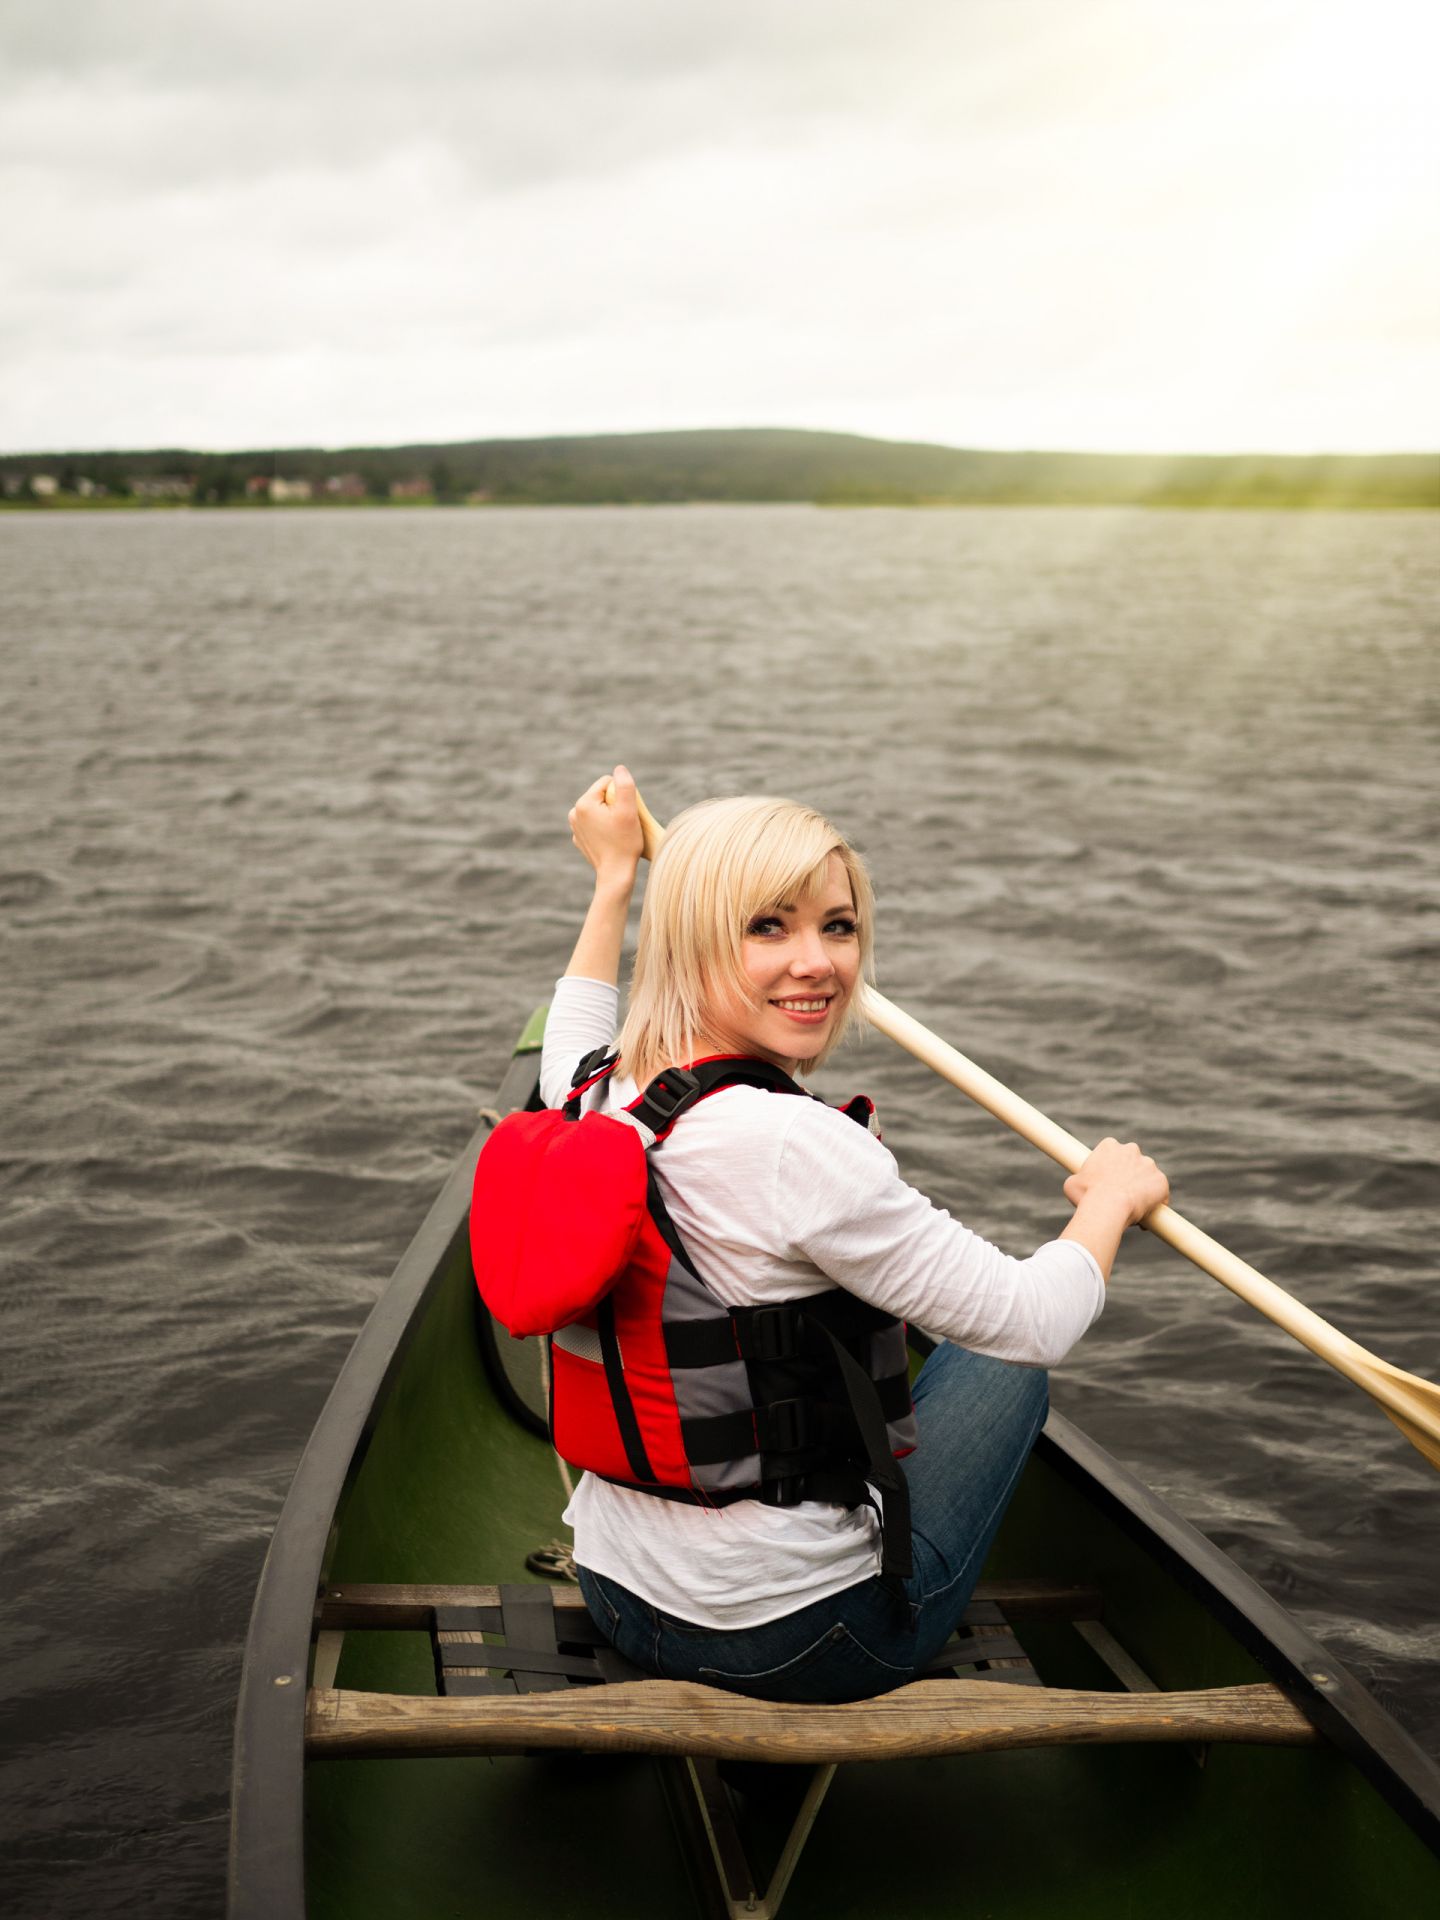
1157,504
739,466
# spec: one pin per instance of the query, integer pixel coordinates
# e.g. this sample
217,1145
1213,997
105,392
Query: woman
755,939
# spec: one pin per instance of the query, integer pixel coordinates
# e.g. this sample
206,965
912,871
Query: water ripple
1150,804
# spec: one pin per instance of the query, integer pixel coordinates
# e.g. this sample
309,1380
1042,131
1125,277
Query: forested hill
765,464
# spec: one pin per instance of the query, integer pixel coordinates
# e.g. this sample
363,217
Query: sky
1149,225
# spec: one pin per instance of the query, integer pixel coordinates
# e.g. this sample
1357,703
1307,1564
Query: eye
842,925
763,926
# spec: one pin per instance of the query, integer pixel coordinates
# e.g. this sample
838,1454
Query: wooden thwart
679,1718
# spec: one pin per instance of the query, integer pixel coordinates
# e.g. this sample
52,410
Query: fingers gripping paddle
1412,1403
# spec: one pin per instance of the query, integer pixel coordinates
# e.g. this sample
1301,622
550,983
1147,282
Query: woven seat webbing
543,1652
546,1649
521,1661
992,1657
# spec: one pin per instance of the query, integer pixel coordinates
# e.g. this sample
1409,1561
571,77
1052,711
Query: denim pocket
833,1667
598,1604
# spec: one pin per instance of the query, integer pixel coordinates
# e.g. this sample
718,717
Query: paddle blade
1413,1403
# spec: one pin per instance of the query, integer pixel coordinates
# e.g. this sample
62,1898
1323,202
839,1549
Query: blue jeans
977,1421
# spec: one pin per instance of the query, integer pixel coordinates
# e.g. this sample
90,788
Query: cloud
560,88
244,224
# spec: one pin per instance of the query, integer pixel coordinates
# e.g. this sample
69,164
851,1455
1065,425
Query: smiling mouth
802,1006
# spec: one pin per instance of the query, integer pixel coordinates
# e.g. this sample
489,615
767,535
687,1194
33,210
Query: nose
808,958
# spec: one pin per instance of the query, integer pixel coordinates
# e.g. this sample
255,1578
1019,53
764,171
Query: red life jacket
656,1383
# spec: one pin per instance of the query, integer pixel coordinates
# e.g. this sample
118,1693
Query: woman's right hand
608,832
1121,1176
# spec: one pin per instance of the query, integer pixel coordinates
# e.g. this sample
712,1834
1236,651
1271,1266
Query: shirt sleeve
583,1015
843,1206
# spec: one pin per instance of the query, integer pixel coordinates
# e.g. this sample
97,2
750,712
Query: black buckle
667,1092
597,1058
785,1427
788,1492
769,1333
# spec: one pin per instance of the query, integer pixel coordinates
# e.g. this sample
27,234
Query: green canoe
1135,1727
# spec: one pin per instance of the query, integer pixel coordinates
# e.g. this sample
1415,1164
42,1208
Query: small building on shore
162,486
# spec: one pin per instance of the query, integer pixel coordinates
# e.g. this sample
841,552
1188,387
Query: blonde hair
723,863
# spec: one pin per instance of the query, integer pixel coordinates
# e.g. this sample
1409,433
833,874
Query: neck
709,1044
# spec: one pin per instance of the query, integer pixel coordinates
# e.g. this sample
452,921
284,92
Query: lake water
1150,800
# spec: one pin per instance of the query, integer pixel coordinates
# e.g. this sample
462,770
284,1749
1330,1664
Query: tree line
760,464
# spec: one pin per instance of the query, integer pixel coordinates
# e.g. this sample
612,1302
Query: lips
805,1010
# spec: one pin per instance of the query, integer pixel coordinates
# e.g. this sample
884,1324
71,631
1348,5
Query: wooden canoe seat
524,1670
554,1683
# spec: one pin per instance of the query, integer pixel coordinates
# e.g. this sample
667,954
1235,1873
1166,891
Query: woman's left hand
607,831
1121,1177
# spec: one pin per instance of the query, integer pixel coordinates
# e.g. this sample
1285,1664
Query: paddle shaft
1389,1385
1412,1403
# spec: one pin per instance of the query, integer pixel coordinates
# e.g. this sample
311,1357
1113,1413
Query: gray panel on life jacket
701,1392
582,1341
723,1475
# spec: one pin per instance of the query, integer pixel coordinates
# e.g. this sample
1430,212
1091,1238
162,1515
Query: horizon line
275,448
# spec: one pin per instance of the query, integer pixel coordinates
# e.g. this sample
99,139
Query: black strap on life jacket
676,1089
819,1422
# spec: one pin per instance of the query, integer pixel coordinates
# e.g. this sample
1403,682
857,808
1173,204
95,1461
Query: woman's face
802,964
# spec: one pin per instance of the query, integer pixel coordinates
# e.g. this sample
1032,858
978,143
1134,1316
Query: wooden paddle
1412,1403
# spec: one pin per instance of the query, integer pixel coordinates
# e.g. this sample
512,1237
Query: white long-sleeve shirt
775,1199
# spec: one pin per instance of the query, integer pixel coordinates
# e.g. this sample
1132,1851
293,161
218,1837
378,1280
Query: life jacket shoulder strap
675,1090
